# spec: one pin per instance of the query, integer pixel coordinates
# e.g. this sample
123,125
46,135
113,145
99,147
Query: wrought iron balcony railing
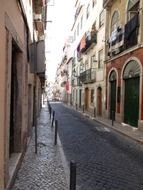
76,82
124,38
88,76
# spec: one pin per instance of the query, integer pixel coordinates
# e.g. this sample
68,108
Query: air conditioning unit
37,17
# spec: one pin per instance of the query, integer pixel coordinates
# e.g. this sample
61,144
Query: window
86,65
51,2
77,29
133,8
75,35
93,3
114,21
81,22
87,11
81,67
93,61
100,59
101,18
92,96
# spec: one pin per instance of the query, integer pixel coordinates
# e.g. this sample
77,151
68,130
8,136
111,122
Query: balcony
131,32
37,58
39,15
91,40
88,76
76,82
124,38
107,3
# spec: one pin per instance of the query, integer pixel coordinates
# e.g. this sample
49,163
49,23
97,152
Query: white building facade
88,69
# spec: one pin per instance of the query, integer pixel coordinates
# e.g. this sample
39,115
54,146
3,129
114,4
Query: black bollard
112,118
56,132
72,175
76,106
53,118
94,112
50,112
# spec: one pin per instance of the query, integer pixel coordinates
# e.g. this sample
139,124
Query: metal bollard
50,112
53,118
72,175
112,118
56,132
94,112
76,106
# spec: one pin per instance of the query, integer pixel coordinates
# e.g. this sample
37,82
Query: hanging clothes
131,31
83,44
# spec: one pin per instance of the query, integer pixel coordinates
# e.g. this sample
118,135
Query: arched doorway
113,85
86,100
99,101
131,95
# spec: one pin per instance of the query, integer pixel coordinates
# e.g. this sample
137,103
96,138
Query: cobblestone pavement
105,159
43,171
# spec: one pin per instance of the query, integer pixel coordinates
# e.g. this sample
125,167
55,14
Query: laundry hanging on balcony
83,43
116,41
131,31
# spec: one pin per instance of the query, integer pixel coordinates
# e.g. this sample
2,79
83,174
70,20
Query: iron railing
88,76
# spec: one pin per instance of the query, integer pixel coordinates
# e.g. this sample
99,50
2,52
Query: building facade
124,62
88,89
63,83
17,98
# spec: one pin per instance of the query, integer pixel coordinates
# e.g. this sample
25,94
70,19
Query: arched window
112,76
115,21
132,69
132,8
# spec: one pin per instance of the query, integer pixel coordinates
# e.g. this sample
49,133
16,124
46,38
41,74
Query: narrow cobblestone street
105,159
43,171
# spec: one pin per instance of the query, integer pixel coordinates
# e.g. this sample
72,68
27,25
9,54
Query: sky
60,19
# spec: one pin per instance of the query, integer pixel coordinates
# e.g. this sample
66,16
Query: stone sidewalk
44,170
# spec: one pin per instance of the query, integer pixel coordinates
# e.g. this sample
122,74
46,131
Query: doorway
86,101
15,102
80,99
99,101
113,85
131,95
